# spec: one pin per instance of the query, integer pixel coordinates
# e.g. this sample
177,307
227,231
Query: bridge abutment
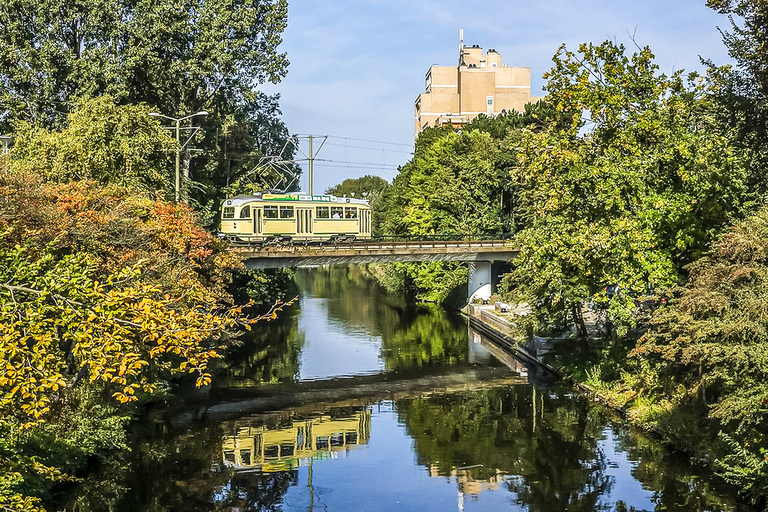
480,287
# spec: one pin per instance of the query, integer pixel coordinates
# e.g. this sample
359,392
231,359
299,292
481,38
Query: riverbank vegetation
636,201
111,293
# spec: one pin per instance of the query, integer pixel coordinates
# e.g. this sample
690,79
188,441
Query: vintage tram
264,217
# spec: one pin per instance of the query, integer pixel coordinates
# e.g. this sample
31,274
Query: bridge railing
442,237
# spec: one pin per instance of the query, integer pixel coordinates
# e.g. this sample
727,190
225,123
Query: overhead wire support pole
311,157
311,161
177,122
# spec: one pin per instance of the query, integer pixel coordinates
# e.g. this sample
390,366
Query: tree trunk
578,319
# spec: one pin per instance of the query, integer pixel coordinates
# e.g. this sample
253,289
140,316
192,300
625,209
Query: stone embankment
497,321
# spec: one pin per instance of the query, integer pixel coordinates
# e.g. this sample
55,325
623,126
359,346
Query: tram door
257,221
304,221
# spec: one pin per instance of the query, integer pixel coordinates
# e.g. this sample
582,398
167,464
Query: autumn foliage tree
106,288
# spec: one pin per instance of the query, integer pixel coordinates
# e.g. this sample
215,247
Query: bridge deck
272,256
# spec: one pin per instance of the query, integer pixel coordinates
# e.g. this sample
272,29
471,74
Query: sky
357,66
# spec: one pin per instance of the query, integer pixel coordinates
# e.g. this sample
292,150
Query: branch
69,302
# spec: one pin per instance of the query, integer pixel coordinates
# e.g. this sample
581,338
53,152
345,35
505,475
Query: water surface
356,401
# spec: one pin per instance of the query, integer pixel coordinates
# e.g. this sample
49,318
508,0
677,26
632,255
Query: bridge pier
479,281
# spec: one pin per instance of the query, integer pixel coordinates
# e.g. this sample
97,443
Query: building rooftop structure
479,84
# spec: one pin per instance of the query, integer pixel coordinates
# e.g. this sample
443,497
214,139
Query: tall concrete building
480,84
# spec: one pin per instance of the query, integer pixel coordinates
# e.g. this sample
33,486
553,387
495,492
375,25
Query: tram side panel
258,222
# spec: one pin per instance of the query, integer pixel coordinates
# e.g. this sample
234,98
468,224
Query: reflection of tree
422,336
670,475
543,439
254,492
412,336
267,354
355,299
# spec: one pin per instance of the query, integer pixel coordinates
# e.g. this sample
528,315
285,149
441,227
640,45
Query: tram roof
285,198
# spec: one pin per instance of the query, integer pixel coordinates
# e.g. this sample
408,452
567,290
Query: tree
178,58
711,342
106,293
629,192
366,187
742,91
450,187
102,142
454,185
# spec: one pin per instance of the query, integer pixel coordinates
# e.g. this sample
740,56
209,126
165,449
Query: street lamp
178,141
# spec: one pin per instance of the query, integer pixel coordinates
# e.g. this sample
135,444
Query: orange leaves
179,231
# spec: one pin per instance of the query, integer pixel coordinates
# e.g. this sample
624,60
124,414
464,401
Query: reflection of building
480,84
469,485
281,449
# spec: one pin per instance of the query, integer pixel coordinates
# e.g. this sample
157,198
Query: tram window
245,212
270,212
350,213
245,457
351,437
337,212
287,449
228,213
271,452
229,457
286,212
322,212
321,442
337,439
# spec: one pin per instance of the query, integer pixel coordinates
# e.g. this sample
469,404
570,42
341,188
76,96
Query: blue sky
357,66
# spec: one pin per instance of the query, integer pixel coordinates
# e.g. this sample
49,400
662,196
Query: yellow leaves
203,380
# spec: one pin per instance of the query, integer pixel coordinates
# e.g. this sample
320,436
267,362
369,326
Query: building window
228,212
323,212
286,212
489,100
245,212
270,212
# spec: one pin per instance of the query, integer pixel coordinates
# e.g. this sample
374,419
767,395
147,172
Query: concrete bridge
478,253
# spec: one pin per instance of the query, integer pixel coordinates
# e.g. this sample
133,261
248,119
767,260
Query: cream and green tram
295,217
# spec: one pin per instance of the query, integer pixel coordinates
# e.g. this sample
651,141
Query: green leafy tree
709,349
454,185
366,187
102,142
742,90
632,189
178,58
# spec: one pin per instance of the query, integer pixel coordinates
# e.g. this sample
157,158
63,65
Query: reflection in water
424,439
344,325
286,447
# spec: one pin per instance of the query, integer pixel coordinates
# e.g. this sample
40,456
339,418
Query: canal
353,400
